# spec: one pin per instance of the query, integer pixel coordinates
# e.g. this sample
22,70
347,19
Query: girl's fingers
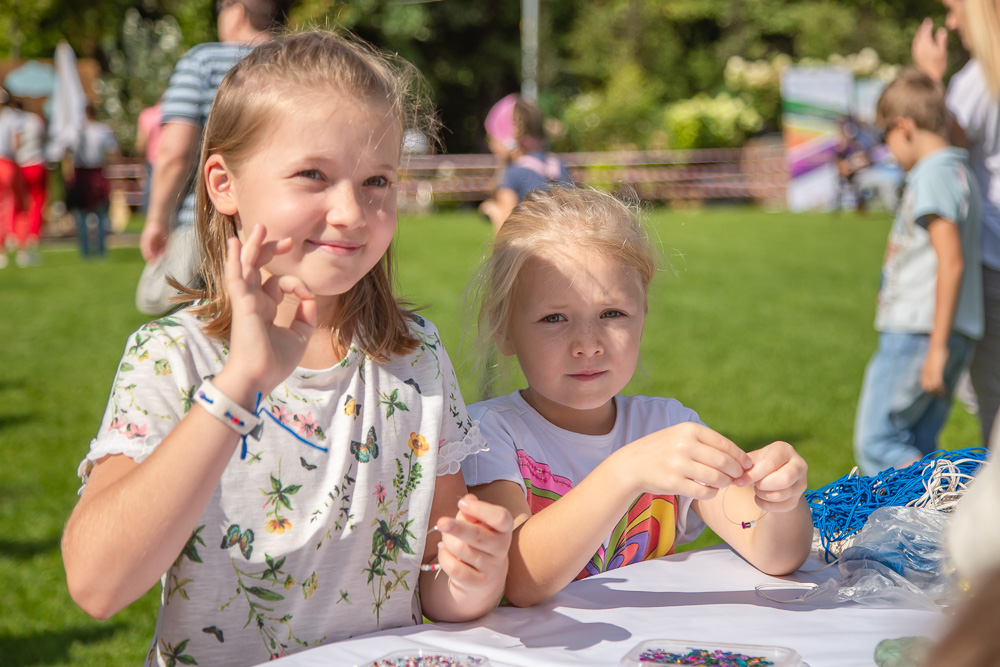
462,550
723,444
294,286
269,250
771,458
251,250
459,571
706,475
272,288
233,264
497,518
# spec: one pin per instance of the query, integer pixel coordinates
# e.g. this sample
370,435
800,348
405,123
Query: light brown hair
557,219
916,96
271,78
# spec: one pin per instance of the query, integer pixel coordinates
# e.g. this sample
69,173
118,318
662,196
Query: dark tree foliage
626,58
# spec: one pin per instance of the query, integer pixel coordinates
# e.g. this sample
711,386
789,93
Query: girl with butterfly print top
276,452
596,480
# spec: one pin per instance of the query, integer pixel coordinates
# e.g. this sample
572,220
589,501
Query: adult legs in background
82,233
9,173
101,221
897,422
985,369
29,222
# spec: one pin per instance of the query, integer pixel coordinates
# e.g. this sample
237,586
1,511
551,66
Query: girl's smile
337,248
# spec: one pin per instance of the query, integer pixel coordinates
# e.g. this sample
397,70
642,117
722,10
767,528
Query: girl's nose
587,341
344,209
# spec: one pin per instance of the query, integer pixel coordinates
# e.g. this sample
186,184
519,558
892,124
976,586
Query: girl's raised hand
473,547
689,459
778,477
264,348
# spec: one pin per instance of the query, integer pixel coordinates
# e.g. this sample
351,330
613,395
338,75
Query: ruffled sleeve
452,454
500,460
152,390
458,436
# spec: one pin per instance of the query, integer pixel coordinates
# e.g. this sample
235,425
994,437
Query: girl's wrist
624,475
240,390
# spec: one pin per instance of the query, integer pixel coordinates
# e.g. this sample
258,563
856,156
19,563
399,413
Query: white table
704,596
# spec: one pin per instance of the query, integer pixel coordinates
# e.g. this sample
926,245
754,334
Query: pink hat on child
500,120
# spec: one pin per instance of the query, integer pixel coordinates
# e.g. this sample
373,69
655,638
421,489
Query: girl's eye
377,181
310,173
612,313
552,319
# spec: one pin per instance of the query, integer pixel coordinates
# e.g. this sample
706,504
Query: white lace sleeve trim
137,449
451,454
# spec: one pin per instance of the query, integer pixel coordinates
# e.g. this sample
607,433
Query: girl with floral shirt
276,452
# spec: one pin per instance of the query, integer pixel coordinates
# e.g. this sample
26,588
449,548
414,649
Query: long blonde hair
982,19
557,219
272,77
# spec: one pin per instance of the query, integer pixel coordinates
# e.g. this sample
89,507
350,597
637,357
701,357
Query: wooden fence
755,173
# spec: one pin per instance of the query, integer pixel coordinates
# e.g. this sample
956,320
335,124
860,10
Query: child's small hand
688,459
473,548
264,348
778,476
932,376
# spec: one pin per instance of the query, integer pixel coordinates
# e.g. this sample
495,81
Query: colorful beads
422,659
658,656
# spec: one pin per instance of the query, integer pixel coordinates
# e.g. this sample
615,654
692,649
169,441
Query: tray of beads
427,658
673,652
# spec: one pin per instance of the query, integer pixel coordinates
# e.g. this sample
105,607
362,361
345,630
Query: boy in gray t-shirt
930,301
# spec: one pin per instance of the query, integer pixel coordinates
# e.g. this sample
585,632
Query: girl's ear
503,344
219,183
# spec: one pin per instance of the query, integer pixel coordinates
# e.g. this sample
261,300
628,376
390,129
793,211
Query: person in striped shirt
242,25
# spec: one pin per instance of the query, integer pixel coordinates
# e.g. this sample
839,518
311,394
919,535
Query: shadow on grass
46,648
26,550
7,421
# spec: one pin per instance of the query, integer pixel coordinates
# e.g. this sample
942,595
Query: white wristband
225,409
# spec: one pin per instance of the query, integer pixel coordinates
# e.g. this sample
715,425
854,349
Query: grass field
762,323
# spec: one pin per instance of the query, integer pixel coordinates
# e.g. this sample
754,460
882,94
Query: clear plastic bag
896,560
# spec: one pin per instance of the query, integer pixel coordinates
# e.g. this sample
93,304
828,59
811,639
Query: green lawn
762,322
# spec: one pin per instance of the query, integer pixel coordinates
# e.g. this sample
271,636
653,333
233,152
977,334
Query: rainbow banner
813,100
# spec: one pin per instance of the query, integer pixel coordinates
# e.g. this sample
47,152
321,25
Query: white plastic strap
225,409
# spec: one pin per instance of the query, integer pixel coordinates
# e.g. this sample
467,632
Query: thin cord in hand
744,524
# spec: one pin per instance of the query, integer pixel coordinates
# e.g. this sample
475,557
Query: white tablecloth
704,596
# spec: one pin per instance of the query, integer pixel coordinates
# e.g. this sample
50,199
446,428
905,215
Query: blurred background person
87,193
11,184
973,100
241,24
30,157
516,135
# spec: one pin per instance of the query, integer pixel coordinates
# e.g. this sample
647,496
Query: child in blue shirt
930,301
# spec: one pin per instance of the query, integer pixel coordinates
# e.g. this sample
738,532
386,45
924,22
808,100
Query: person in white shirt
596,480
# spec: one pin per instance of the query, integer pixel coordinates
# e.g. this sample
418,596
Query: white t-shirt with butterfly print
316,532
